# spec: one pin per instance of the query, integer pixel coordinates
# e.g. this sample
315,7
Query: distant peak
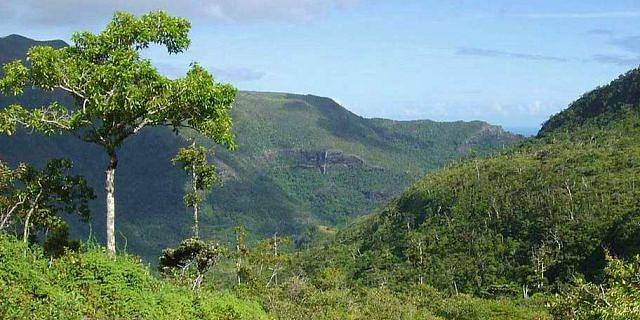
16,37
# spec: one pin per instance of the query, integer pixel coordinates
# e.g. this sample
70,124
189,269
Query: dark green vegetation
531,219
618,297
301,161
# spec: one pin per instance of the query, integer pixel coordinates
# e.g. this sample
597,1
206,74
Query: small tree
39,197
242,252
193,160
192,257
117,92
10,200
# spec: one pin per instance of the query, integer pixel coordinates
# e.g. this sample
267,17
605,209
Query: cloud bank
622,61
601,32
577,15
505,54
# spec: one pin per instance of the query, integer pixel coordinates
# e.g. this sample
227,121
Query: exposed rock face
225,172
377,195
321,160
488,134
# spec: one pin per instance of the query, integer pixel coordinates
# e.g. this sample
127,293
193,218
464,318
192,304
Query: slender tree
193,160
117,92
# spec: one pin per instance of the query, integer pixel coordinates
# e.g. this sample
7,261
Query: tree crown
117,92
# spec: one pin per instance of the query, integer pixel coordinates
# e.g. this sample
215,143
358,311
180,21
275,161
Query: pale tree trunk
6,216
111,203
27,221
25,232
196,228
239,253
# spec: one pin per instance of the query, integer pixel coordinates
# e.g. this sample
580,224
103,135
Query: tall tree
193,160
117,92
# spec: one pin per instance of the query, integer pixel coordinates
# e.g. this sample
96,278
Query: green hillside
604,105
301,161
530,219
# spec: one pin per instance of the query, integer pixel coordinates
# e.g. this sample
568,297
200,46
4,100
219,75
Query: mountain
302,161
604,105
15,46
529,219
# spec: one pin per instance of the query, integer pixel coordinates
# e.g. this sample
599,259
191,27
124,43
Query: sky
507,62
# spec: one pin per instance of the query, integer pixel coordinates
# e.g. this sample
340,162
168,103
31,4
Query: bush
617,298
91,285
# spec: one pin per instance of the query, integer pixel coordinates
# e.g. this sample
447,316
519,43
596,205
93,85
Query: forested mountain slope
527,220
301,161
600,107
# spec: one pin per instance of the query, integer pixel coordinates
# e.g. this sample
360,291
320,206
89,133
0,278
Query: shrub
91,285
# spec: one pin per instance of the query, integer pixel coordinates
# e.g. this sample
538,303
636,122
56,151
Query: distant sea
525,131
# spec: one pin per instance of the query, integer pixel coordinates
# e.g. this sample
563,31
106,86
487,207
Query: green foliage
58,243
117,93
191,257
270,273
193,160
305,160
296,298
91,285
39,197
617,298
528,218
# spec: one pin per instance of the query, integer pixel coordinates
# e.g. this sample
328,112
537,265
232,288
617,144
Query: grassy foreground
89,285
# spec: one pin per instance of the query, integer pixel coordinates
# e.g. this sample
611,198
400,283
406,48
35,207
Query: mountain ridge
600,106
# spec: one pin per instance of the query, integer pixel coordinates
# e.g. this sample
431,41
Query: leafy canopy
42,195
117,92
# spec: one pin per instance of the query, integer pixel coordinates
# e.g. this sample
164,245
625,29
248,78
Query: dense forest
545,229
552,211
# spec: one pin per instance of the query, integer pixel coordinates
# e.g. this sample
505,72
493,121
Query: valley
302,161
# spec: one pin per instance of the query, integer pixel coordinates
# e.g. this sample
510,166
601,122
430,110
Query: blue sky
512,63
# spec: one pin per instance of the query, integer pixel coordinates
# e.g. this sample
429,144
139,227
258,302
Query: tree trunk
27,221
111,203
194,177
25,232
6,216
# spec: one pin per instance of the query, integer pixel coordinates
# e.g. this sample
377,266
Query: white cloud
234,74
506,54
78,12
225,74
535,108
578,15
